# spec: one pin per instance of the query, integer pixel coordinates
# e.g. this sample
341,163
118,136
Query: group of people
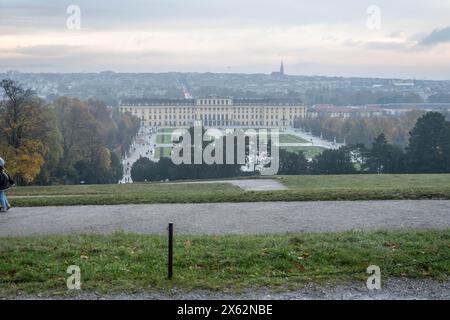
6,182
141,147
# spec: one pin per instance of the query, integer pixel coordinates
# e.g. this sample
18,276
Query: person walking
6,182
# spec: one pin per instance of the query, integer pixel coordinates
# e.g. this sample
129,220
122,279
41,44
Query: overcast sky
252,36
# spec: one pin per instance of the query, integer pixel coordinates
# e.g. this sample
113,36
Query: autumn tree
25,131
82,138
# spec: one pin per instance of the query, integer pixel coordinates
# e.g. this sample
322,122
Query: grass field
301,188
289,138
118,194
128,262
164,136
367,182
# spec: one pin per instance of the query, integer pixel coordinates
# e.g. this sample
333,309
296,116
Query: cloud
33,15
69,52
205,35
47,50
436,37
384,45
388,45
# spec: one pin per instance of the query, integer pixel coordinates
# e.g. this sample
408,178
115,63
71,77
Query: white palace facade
216,112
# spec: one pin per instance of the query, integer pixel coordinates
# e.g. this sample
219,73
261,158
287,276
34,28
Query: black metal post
170,262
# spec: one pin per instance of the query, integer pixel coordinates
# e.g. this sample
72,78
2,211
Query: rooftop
192,102
157,102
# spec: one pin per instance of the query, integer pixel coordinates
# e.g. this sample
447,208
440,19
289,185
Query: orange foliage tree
23,131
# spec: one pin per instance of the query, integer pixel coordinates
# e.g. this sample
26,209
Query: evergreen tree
429,145
292,163
384,157
334,162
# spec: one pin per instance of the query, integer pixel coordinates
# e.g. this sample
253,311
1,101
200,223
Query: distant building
414,106
216,112
281,72
350,112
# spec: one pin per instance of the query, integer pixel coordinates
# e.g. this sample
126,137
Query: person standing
6,182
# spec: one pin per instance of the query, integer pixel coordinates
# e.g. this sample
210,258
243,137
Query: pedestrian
6,182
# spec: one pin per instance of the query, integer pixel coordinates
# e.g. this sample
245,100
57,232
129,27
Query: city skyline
411,39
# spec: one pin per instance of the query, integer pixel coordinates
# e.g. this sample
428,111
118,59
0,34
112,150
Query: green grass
289,138
128,262
120,194
310,152
368,182
283,137
107,189
301,188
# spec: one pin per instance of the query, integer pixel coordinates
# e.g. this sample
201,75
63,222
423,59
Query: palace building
216,112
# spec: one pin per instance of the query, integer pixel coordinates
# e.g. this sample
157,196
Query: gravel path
228,218
392,289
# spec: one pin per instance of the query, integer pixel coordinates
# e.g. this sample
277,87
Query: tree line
66,142
363,130
345,97
427,151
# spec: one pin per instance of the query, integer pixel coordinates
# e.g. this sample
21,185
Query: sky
384,38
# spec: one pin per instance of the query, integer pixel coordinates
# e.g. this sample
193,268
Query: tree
124,128
80,135
145,170
292,163
47,174
429,145
116,167
26,133
360,133
334,162
384,157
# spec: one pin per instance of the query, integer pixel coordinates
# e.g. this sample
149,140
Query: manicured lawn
283,137
301,188
129,262
289,138
108,189
368,181
119,194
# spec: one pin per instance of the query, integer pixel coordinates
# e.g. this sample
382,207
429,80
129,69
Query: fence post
170,253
